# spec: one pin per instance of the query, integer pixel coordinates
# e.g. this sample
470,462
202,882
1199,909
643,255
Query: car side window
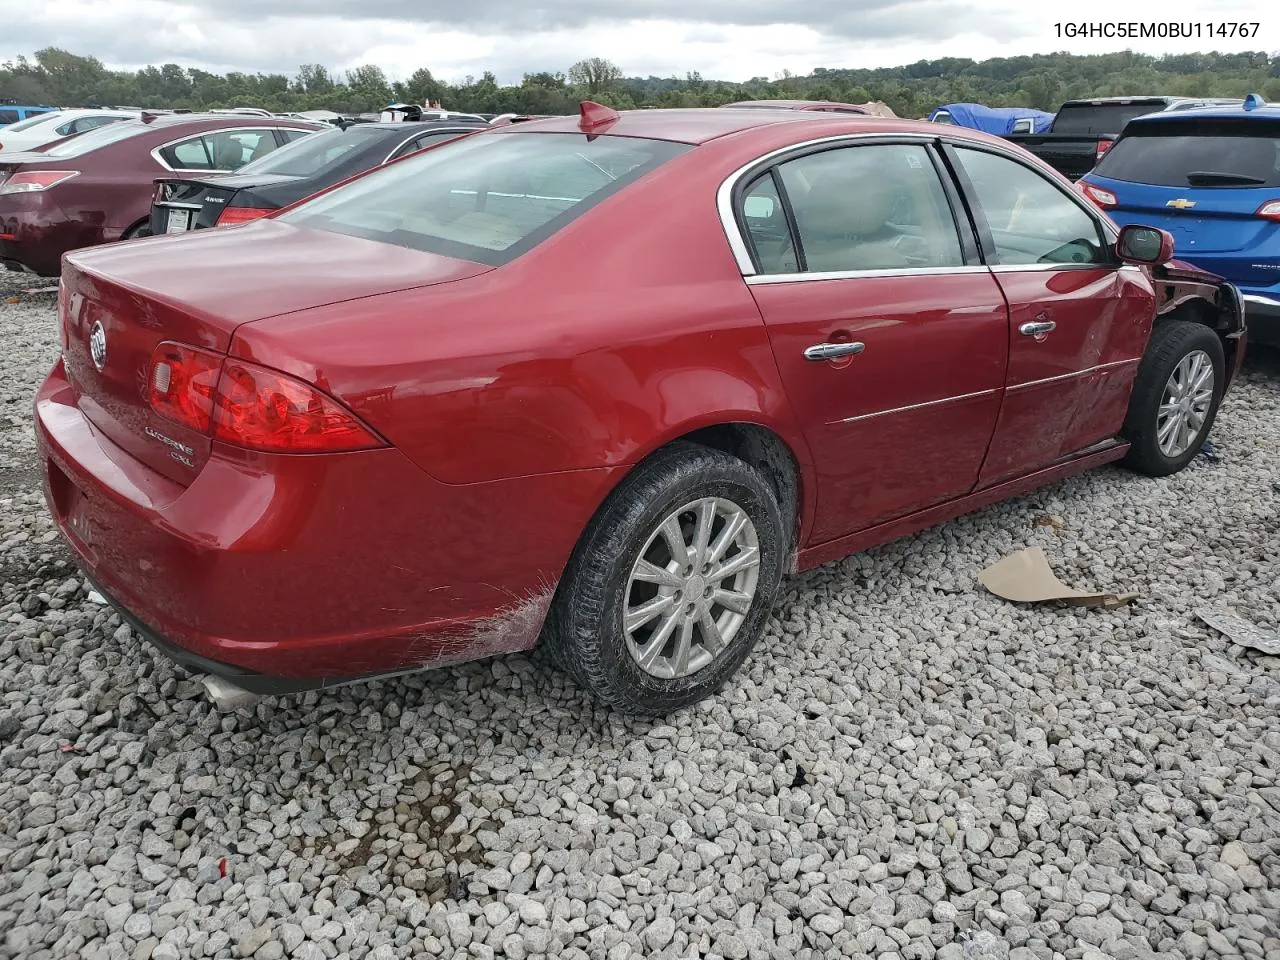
232,149
767,229
9,116
1031,220
875,207
66,129
290,134
426,140
187,155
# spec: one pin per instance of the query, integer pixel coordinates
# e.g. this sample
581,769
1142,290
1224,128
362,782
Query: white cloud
722,39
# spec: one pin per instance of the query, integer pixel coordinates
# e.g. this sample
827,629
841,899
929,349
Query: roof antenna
592,115
1253,101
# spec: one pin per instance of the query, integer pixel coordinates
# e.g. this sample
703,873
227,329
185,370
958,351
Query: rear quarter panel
629,328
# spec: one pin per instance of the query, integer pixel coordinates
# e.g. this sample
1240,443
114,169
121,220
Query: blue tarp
997,120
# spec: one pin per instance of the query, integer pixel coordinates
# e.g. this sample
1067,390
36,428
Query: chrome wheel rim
691,588
1185,405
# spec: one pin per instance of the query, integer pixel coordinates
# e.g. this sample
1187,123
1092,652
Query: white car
48,127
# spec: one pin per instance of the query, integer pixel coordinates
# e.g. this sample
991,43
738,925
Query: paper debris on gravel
1025,577
96,597
1241,631
226,695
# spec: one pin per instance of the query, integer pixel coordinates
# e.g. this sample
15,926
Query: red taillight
1103,198
265,410
1103,147
182,384
34,181
250,406
1269,210
233,215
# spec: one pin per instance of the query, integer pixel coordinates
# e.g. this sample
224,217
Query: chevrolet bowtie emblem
1181,204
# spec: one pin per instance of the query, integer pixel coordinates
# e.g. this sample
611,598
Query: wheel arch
1222,314
783,461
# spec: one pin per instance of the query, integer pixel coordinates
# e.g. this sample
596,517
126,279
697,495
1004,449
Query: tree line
60,78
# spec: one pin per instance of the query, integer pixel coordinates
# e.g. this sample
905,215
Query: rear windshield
1101,119
487,198
84,143
1197,153
312,153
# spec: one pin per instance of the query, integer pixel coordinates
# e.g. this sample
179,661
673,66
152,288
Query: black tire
138,230
1171,342
585,631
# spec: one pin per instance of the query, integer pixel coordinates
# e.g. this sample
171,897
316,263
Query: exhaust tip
226,696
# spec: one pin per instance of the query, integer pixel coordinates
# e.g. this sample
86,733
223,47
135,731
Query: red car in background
600,380
96,187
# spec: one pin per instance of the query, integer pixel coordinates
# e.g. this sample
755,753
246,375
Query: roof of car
1233,111
697,125
179,119
412,125
789,104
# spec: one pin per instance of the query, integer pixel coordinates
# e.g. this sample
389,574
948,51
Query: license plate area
179,221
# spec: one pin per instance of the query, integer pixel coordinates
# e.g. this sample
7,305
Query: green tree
595,75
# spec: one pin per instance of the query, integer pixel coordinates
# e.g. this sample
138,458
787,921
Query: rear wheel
138,230
670,587
1175,397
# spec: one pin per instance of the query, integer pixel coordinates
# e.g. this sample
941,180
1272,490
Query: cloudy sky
724,39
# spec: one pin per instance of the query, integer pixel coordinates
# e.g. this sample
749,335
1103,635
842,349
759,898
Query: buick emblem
98,345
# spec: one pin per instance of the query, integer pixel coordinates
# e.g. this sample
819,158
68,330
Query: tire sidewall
600,632
1194,337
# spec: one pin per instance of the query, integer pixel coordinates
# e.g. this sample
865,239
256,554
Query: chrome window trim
918,406
742,254
1027,384
761,279
155,152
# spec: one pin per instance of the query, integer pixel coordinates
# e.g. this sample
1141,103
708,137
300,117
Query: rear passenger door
1079,318
889,334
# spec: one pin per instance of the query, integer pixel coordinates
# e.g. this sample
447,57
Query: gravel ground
907,767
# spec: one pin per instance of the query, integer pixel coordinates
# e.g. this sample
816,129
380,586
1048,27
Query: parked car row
668,355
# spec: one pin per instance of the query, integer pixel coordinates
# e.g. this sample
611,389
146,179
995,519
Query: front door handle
1036,328
833,351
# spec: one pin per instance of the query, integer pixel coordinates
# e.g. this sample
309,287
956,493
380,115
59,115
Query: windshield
487,198
1197,153
1103,119
312,153
30,122
83,143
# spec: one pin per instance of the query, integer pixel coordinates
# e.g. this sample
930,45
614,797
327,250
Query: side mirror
758,208
1148,245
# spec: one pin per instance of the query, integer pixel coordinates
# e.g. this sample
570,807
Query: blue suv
12,112
1211,177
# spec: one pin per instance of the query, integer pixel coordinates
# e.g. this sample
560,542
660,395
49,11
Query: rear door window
878,207
222,150
424,141
9,116
1197,153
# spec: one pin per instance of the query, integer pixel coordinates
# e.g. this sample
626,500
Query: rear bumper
35,233
1262,315
314,568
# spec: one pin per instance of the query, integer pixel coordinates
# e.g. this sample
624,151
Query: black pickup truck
1082,130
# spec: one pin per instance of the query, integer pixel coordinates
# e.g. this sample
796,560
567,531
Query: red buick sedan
600,380
96,187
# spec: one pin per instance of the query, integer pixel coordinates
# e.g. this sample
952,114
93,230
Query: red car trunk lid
196,290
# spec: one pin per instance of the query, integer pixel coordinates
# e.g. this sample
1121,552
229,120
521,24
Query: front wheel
670,587
1175,397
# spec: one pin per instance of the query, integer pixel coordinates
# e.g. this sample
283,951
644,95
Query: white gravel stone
906,766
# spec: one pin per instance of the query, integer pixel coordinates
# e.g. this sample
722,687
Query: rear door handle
833,351
1037,328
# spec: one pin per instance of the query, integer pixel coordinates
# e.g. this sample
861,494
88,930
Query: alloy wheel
691,587
1187,399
